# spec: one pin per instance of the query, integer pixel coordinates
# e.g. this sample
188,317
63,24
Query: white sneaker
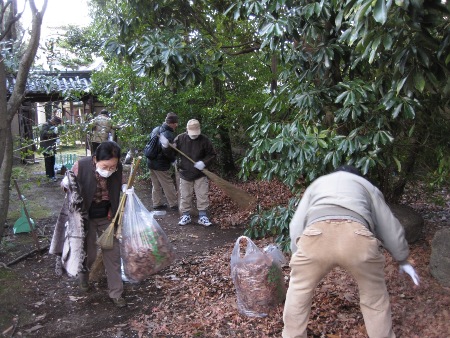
204,221
185,219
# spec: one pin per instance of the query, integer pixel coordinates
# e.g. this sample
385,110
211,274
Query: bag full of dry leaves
145,248
258,280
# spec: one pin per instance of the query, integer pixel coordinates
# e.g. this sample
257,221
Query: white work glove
65,183
55,130
127,191
410,271
164,141
200,165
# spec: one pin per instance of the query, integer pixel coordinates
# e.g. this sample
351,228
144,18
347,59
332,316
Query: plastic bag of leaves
145,248
258,280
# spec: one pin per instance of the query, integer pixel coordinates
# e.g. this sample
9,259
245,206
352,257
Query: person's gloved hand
124,187
200,165
55,130
164,141
406,267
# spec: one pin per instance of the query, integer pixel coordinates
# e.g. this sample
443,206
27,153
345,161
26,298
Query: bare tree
10,105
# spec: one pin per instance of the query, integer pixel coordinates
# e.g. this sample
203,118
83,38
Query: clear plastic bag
277,255
145,248
258,280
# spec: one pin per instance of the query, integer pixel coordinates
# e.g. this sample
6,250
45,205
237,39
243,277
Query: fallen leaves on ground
199,299
226,213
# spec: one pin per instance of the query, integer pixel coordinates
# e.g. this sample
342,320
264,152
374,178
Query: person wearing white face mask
100,182
199,148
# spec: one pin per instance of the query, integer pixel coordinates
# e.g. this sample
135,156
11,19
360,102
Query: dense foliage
364,83
302,87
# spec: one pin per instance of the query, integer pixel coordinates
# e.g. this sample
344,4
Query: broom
243,199
106,240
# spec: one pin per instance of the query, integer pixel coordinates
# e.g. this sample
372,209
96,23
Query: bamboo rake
243,199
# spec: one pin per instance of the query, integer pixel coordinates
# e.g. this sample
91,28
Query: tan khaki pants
162,181
111,258
200,186
323,246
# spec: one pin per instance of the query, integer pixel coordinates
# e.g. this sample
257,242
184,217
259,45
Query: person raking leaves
342,220
198,147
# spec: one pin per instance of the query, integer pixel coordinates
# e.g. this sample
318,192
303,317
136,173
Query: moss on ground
31,180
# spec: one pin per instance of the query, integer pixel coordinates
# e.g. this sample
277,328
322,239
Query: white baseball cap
193,127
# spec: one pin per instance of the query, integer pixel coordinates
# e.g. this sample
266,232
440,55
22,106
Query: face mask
193,137
104,173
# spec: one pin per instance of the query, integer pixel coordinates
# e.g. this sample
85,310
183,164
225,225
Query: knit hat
104,112
171,118
193,127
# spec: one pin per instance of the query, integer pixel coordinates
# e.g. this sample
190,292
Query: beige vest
102,128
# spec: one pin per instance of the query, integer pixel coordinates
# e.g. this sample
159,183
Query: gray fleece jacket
342,194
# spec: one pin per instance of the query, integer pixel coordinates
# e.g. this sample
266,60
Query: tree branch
26,60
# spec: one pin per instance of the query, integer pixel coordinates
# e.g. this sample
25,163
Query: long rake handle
206,171
173,147
242,198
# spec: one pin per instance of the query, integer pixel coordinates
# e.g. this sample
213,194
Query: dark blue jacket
166,156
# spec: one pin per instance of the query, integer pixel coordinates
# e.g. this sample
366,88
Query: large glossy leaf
419,81
380,11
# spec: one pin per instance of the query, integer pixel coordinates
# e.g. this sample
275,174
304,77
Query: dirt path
195,296
41,304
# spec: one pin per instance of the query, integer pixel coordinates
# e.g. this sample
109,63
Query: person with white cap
192,180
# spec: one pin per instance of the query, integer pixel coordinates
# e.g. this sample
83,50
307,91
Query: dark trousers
49,159
94,147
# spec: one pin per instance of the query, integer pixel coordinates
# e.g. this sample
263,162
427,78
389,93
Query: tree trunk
225,152
6,155
9,107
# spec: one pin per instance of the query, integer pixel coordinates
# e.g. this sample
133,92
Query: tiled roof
52,86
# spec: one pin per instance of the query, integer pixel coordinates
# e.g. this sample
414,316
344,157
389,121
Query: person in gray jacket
342,220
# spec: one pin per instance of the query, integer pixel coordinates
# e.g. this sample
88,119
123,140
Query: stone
411,221
440,257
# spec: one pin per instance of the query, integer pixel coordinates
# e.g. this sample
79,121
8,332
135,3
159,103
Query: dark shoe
83,285
174,208
119,302
160,207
